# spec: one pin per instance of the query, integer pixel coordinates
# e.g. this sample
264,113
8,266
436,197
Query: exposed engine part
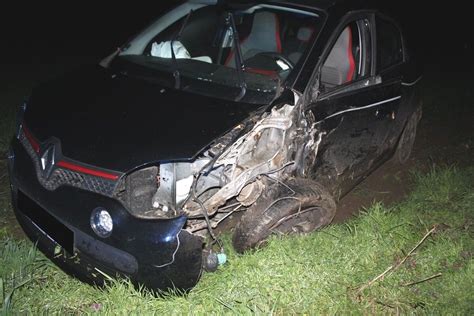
250,193
273,146
266,147
176,180
270,149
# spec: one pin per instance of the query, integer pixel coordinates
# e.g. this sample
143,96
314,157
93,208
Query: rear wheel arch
407,137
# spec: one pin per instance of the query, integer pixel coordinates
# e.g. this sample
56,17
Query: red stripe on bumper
97,173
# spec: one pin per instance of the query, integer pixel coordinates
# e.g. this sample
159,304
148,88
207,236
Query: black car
271,110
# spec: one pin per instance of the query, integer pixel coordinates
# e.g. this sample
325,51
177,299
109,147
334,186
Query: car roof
317,4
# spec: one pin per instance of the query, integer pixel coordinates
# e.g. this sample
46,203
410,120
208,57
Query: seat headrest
340,65
264,37
265,32
305,33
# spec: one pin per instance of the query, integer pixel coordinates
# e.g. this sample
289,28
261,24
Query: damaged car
251,117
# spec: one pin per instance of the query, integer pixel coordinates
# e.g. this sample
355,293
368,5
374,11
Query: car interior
339,67
271,41
349,57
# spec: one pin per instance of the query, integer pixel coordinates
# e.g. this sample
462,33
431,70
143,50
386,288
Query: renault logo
48,160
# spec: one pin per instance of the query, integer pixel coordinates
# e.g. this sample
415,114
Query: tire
280,210
407,139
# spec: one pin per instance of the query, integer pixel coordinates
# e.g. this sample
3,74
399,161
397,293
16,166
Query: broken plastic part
183,186
276,144
210,261
274,147
221,258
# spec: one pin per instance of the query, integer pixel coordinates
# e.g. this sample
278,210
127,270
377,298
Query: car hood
119,123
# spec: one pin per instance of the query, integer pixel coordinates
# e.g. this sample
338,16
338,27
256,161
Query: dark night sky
40,33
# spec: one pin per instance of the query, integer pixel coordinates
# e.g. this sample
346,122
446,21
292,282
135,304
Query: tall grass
332,271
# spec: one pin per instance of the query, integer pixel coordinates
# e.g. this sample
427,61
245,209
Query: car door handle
385,114
378,79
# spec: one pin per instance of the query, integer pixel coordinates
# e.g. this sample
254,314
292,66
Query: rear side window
389,44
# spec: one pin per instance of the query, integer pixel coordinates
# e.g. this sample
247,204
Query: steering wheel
277,56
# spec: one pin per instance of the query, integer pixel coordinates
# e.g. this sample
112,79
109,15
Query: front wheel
300,206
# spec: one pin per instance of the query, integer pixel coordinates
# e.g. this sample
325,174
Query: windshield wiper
239,61
176,74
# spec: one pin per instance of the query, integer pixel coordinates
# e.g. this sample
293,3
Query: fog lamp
101,222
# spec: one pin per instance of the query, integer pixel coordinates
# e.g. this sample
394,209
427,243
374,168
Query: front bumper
156,253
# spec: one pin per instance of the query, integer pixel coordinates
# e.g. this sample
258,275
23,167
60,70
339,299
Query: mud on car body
270,110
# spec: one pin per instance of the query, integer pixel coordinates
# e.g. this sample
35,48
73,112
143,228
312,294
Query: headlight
101,222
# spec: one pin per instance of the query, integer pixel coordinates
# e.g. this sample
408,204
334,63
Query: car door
390,62
354,107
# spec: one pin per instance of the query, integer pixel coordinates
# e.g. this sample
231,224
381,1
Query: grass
327,272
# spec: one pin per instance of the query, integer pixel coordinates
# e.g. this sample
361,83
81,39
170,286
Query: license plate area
53,228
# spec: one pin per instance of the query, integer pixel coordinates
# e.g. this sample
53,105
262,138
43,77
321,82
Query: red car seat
339,67
264,37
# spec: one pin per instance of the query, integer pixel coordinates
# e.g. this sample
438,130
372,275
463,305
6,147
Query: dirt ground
444,137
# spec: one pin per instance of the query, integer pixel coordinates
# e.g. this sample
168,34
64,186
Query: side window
389,44
350,56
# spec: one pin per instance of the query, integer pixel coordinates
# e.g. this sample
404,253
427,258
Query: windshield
221,51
